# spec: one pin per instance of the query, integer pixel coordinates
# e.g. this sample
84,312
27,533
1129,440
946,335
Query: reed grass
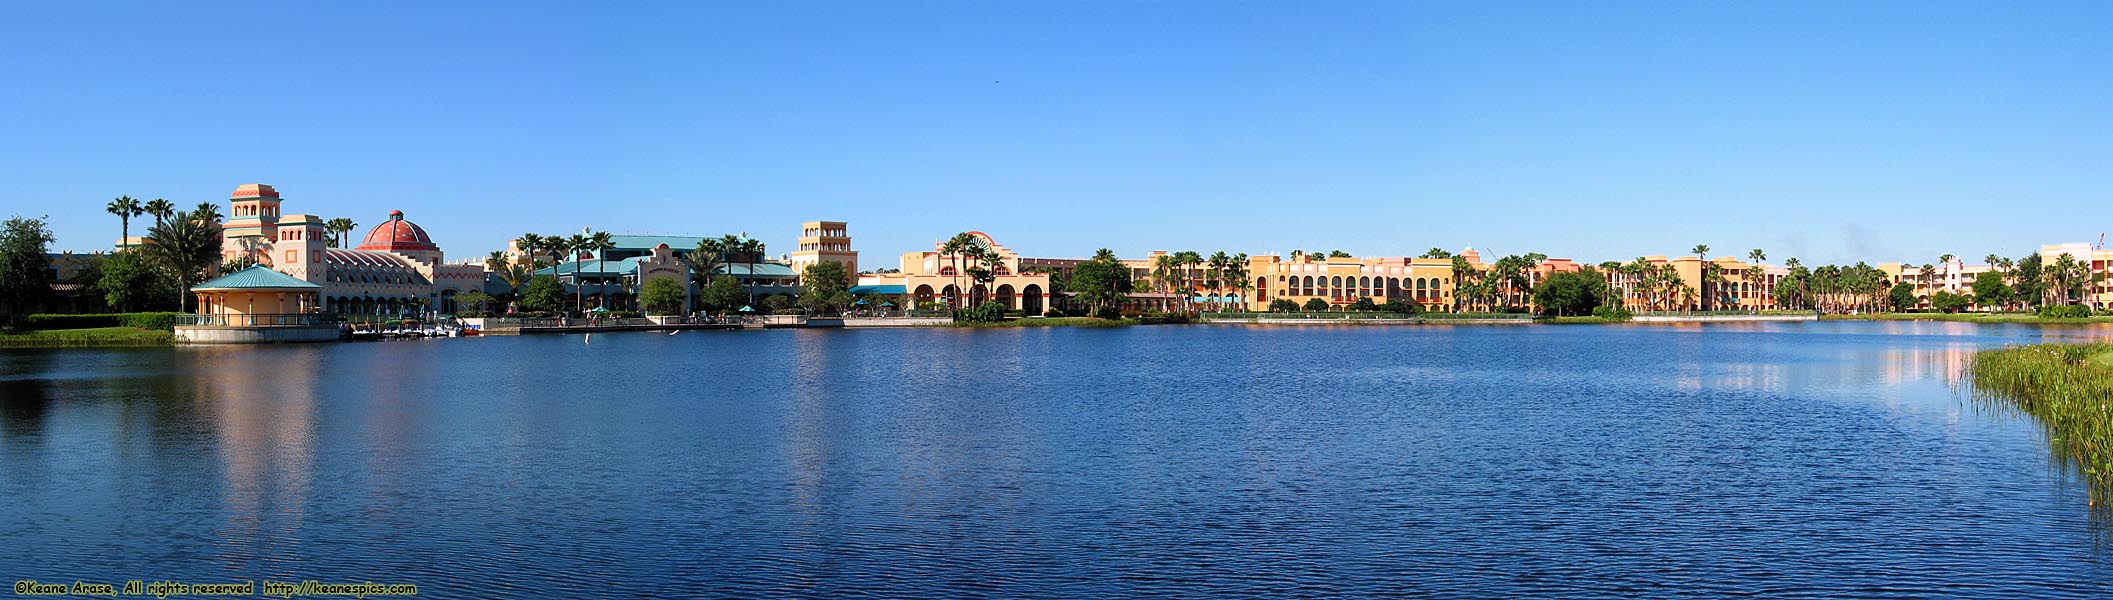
2068,389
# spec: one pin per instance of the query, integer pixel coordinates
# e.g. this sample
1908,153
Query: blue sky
1828,131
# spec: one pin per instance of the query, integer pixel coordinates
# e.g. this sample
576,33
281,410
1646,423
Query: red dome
396,235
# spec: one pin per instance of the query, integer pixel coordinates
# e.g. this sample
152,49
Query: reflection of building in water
1947,363
265,427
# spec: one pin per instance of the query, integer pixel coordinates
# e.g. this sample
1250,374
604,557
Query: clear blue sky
1829,131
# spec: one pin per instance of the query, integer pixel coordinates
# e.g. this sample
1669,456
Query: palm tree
1215,273
752,250
953,249
559,245
343,228
601,242
189,246
1236,270
1702,252
125,208
1929,274
1753,275
1461,269
161,209
1189,260
1165,268
529,244
706,260
579,242
206,211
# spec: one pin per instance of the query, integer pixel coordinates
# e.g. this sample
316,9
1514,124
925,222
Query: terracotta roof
396,234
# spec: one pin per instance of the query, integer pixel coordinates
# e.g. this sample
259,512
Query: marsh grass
2068,389
98,336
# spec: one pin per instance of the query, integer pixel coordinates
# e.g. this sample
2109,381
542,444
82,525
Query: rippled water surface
1818,459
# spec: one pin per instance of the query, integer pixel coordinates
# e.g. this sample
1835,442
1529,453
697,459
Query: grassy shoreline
98,337
2065,388
1968,318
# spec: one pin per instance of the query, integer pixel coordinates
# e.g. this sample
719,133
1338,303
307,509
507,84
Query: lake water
1796,459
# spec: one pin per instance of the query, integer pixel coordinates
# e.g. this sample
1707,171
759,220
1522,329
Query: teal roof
863,290
256,277
597,268
648,242
761,269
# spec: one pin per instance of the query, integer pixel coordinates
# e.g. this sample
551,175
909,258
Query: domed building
396,268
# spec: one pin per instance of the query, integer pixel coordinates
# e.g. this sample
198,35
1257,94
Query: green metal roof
761,269
256,277
893,290
648,242
597,268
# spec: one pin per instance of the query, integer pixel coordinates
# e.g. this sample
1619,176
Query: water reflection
1221,461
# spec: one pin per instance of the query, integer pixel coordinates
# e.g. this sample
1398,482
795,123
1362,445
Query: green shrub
1053,313
788,311
988,312
2064,311
1404,306
1611,313
1282,305
473,314
158,321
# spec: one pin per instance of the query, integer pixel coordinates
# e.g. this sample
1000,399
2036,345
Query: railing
254,320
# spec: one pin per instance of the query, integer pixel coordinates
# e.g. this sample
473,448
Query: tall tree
1946,261
752,250
602,243
955,250
1189,260
125,208
161,209
705,260
188,246
25,263
530,243
207,211
560,249
579,242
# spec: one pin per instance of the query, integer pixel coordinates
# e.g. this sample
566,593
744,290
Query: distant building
934,278
396,269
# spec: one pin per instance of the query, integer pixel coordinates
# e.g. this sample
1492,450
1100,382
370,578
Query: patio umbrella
747,309
599,309
861,303
889,304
